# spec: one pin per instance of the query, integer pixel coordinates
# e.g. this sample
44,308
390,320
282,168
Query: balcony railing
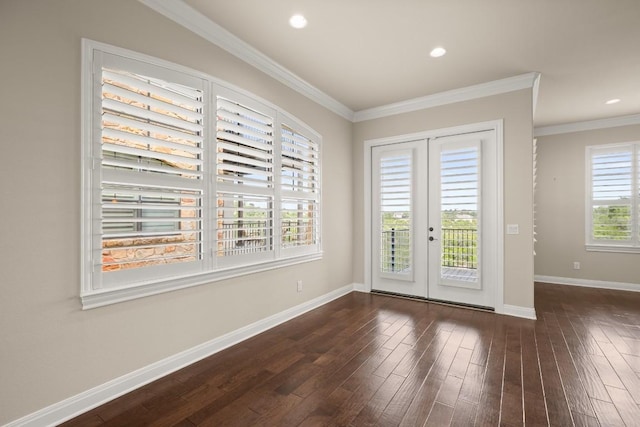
250,236
459,248
395,254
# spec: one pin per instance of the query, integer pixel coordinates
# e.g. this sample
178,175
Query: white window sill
613,248
102,297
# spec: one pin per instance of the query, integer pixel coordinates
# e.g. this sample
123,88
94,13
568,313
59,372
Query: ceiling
369,53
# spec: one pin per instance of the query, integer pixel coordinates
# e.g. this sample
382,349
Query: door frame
495,125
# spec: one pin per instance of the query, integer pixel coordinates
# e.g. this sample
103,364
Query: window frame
631,245
211,268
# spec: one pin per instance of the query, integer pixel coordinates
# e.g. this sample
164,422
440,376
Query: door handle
431,238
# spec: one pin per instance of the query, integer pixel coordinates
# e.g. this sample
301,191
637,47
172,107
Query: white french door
397,215
434,218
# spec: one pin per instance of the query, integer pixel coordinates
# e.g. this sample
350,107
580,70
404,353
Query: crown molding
536,89
612,122
185,15
496,87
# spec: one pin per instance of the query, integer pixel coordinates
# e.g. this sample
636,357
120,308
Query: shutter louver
396,172
151,167
459,193
300,162
245,181
245,145
299,184
612,183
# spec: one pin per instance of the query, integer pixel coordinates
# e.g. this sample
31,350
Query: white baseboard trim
617,286
517,311
509,310
87,400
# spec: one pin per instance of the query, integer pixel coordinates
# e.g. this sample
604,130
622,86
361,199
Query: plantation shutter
396,207
245,181
460,195
300,189
614,197
151,165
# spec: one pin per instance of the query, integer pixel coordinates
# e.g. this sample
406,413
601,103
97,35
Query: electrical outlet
299,285
576,265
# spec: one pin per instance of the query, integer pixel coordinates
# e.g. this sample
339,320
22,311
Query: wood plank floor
377,360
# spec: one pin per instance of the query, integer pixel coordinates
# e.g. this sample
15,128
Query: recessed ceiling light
298,21
612,101
438,52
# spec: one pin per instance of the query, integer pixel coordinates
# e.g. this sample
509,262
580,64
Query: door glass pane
395,214
459,190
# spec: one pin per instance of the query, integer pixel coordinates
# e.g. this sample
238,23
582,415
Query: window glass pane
611,222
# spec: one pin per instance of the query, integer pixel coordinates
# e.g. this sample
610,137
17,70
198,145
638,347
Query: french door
434,218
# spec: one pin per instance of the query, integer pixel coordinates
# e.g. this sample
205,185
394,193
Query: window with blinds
245,151
614,200
300,189
459,203
187,180
151,170
395,214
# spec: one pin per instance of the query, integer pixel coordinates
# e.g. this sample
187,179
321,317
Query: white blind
151,171
149,125
459,200
614,193
245,177
245,145
395,213
300,162
300,187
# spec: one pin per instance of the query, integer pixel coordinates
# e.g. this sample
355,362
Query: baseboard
617,286
517,311
85,401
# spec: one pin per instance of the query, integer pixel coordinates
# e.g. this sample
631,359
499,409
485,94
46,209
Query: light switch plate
513,229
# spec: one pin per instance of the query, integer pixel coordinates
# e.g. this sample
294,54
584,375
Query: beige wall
516,110
560,201
49,348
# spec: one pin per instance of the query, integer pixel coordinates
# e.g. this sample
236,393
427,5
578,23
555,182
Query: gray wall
49,348
560,201
516,110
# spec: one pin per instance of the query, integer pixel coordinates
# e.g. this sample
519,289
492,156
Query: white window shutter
614,182
151,163
300,189
245,183
183,179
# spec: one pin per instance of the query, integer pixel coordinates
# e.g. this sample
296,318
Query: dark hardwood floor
377,360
